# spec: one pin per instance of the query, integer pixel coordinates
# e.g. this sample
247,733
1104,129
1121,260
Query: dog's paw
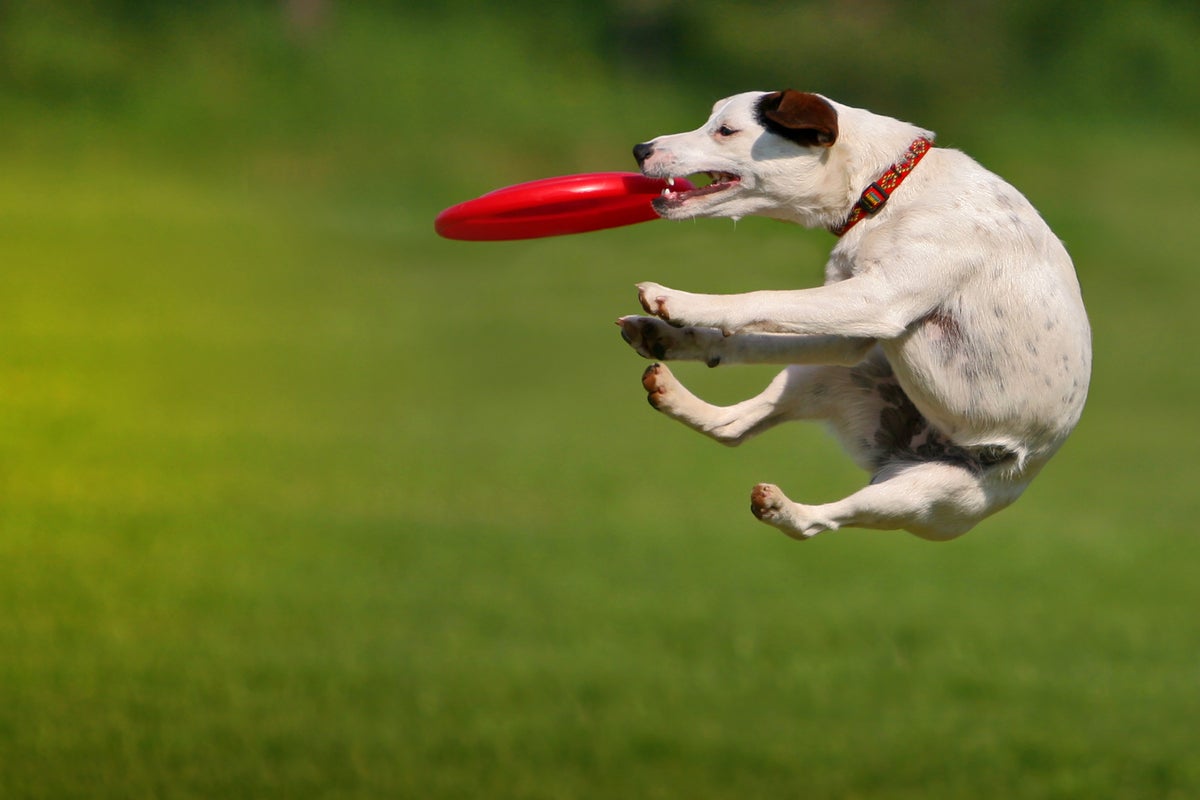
655,299
684,309
769,504
653,338
649,336
666,394
659,384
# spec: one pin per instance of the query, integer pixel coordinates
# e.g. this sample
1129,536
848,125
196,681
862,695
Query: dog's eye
725,130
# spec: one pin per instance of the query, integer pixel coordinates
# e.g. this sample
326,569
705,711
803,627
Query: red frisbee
556,206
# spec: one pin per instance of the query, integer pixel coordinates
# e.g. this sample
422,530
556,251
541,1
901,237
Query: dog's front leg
859,307
653,338
798,392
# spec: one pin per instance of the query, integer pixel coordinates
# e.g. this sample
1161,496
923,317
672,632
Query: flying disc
556,206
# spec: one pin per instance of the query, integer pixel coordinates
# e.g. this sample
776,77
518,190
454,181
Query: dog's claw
644,300
624,334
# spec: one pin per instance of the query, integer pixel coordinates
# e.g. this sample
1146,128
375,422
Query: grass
301,501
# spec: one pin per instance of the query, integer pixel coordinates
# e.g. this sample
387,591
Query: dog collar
875,196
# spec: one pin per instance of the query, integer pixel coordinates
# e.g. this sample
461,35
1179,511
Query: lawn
302,501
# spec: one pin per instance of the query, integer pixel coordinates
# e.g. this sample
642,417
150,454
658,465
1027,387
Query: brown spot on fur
943,320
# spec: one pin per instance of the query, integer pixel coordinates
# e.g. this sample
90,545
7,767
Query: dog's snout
643,151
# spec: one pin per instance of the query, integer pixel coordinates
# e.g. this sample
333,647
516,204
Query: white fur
949,349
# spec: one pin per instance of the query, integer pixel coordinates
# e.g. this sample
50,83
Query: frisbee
557,206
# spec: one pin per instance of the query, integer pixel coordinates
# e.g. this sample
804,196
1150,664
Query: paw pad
764,500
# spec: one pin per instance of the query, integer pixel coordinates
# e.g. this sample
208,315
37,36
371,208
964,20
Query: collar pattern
875,196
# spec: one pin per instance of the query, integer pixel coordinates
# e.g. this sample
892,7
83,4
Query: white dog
949,349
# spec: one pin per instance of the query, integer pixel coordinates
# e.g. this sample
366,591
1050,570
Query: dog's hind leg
935,500
798,392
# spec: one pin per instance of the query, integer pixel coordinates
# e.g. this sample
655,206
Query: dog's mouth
705,183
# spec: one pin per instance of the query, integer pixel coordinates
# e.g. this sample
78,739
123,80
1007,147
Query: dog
948,349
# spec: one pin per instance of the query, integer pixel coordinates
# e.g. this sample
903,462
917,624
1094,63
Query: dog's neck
876,195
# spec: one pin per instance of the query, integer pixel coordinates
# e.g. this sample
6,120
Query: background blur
299,500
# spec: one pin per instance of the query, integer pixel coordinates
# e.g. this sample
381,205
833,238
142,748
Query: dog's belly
982,377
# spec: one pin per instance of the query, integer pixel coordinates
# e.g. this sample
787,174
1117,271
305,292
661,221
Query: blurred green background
299,500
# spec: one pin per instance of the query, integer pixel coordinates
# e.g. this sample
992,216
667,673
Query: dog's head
765,153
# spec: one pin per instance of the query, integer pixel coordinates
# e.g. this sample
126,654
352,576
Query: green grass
301,501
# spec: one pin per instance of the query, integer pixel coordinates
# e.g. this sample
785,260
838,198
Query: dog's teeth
670,181
666,192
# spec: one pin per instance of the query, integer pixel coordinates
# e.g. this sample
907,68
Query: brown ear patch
802,117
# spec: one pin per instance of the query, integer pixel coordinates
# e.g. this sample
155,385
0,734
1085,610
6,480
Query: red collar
875,196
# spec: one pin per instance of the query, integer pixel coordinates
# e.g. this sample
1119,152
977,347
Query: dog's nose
642,151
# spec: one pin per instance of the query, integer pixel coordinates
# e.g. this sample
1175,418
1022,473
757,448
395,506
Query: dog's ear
802,117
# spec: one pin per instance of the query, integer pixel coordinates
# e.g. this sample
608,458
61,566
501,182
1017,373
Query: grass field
301,501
